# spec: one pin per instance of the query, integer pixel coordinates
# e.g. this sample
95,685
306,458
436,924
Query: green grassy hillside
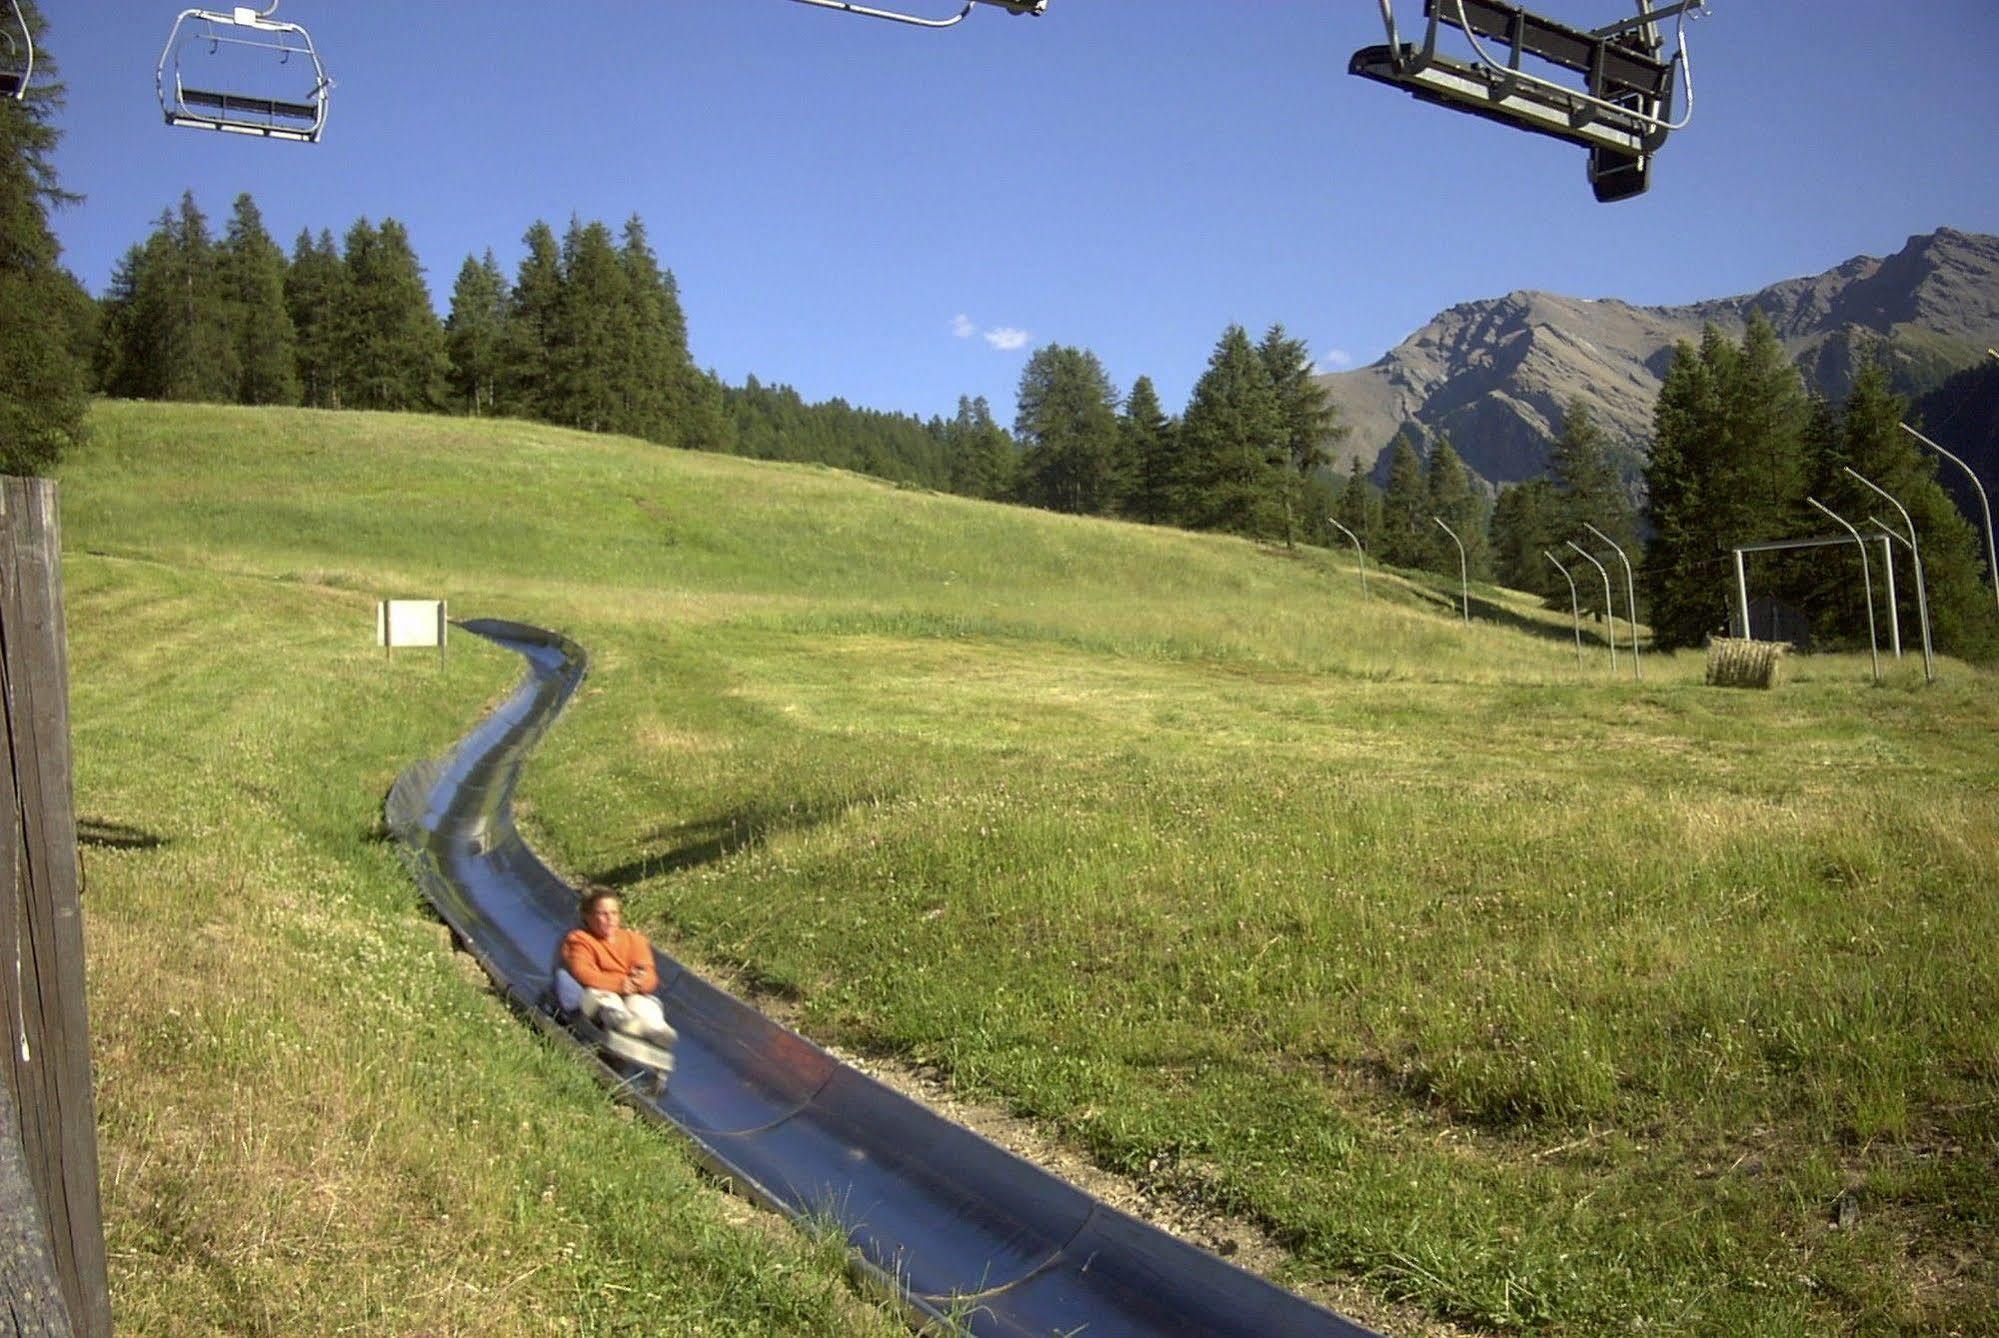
1520,995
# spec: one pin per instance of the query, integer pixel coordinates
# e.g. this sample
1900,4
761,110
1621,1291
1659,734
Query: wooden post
47,1050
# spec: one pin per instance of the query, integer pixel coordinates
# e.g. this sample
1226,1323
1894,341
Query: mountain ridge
1495,373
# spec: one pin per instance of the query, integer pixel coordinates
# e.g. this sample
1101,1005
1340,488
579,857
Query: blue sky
899,216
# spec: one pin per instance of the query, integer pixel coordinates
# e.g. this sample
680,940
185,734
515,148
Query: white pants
633,1014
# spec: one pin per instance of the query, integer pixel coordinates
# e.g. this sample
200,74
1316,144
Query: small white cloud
1335,360
962,326
1006,339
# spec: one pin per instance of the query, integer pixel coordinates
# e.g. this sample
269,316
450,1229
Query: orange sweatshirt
598,965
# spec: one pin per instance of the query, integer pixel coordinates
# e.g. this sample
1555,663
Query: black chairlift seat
10,83
235,106
1616,115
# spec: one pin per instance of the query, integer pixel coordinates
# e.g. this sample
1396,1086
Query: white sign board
410,622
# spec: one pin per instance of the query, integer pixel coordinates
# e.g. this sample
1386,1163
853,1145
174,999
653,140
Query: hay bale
1733,662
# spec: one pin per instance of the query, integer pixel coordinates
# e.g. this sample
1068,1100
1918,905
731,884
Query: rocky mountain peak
1496,373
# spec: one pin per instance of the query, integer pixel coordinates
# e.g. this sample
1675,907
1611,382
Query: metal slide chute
1621,109
917,20
244,72
17,52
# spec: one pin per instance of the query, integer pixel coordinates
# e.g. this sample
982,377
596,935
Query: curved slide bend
962,1230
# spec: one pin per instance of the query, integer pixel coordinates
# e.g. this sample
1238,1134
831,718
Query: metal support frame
1464,567
918,21
1916,556
1630,598
1867,580
1360,554
1609,611
17,54
1991,548
244,114
1774,546
1575,603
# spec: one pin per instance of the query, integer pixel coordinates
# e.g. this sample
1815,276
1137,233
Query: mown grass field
1528,998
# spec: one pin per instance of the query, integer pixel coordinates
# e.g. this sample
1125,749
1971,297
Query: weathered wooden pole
47,1029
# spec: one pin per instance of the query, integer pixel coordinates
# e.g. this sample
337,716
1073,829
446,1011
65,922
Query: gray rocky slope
1495,374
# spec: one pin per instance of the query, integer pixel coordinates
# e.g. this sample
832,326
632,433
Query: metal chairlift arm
918,21
15,78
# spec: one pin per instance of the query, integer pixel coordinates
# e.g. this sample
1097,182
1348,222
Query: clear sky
899,216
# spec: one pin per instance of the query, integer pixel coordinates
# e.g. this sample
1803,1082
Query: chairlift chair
273,45
1621,113
917,20
17,54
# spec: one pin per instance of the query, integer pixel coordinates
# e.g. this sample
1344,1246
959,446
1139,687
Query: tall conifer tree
1151,445
1406,529
1310,419
395,357
42,382
253,284
1066,421
1235,442
473,332
316,298
1457,502
533,320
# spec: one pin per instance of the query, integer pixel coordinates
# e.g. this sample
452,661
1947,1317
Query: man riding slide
613,966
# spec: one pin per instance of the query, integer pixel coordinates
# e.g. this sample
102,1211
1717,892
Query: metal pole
1922,593
1630,598
1575,603
1894,612
1464,568
1742,596
1991,549
1922,613
1360,554
1867,579
1610,618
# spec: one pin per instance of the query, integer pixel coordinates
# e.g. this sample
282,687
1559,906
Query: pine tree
589,385
1729,466
1310,419
533,318
1404,539
1866,437
42,382
1455,500
1525,525
1149,443
395,357
168,316
252,273
981,455
656,385
1235,444
316,296
1588,492
473,333
1359,509
1066,420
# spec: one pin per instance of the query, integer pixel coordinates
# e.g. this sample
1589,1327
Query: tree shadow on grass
105,835
690,845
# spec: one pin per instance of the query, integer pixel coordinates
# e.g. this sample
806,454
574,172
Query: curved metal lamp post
1464,567
1575,603
1630,598
1360,554
1867,581
1991,549
1609,613
1922,594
